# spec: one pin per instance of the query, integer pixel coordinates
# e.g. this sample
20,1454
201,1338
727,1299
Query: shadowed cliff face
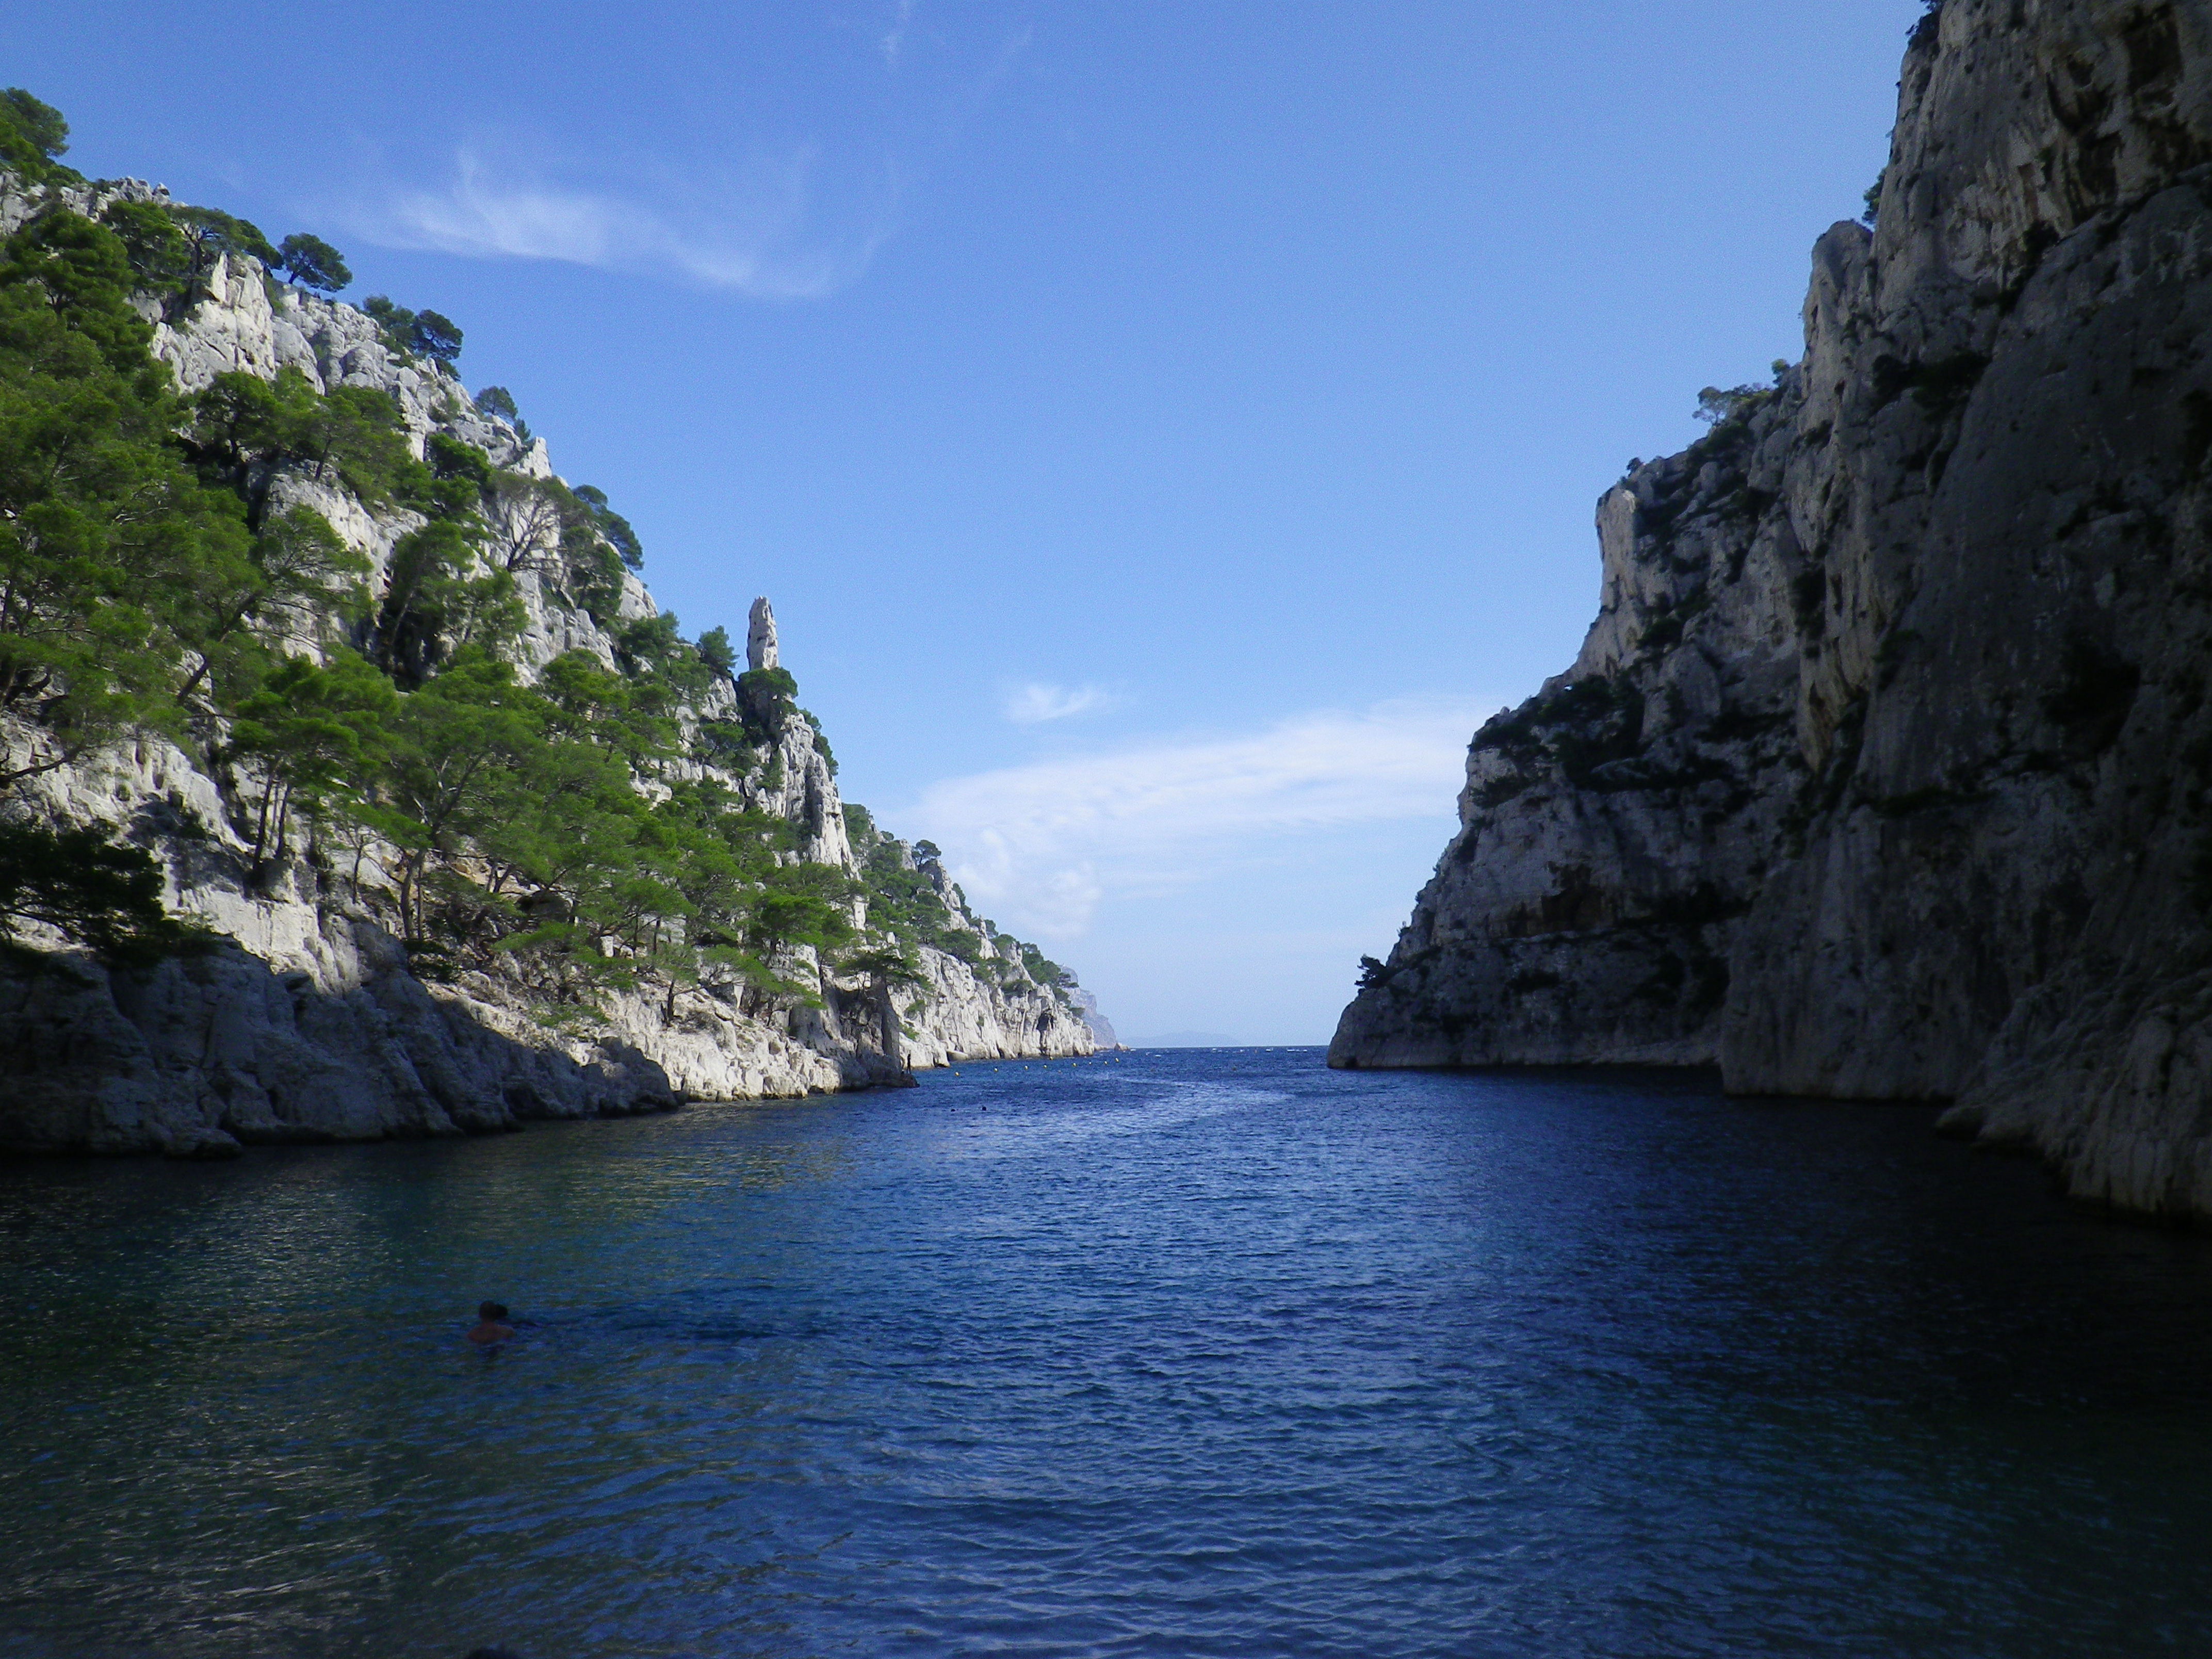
1885,769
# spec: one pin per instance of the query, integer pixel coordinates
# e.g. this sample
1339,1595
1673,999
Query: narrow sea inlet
1177,1354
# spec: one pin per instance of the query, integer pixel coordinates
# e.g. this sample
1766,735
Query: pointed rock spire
760,636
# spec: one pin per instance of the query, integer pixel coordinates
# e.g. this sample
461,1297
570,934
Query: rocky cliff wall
1886,770
302,1021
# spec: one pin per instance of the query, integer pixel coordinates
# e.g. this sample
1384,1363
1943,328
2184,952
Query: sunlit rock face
760,636
1885,769
306,1023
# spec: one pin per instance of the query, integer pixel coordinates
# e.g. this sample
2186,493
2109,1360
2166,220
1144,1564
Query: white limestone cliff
1886,770
760,636
305,1023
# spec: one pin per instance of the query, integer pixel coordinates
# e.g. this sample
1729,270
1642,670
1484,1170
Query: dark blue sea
1175,1354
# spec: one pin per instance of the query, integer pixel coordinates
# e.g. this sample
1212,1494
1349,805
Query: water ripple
1181,1355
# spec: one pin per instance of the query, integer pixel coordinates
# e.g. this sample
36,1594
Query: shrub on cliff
821,741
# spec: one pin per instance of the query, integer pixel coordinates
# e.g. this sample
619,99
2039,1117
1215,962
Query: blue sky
1165,429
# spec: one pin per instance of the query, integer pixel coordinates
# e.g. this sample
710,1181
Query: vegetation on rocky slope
163,574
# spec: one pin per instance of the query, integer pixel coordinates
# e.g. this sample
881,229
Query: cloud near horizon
749,234
1041,847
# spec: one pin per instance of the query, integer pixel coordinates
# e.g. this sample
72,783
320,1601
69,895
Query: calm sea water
1188,1354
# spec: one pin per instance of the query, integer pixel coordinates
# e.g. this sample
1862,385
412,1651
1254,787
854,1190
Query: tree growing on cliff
106,536
82,274
158,253
394,322
1719,406
173,250
414,333
498,402
436,337
452,746
540,525
524,517
33,137
212,234
767,699
316,733
244,429
296,573
89,889
461,476
435,603
610,524
310,262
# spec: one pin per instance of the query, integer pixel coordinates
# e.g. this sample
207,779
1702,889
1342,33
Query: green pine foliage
312,263
905,909
78,882
611,526
498,402
161,574
113,548
33,137
415,333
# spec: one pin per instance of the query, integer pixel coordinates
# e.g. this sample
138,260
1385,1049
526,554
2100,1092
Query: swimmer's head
491,1312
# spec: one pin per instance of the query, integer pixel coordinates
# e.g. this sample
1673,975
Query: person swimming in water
491,1325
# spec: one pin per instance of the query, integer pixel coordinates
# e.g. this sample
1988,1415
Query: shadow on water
1173,1352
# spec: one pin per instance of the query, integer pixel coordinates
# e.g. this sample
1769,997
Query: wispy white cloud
1042,846
749,233
1037,702
894,38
